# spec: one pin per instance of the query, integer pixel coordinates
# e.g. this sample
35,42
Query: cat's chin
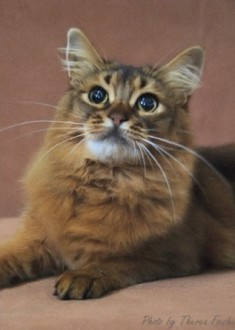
110,150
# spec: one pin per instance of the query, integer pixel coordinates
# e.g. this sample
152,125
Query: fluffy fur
118,194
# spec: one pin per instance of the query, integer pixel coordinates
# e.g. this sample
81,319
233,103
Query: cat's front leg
26,257
96,280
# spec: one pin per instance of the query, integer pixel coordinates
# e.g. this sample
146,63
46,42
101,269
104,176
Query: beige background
133,31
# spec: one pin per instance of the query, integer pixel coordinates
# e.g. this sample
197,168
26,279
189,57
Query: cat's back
223,159
214,184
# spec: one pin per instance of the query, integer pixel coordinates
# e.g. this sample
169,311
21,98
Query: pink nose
118,118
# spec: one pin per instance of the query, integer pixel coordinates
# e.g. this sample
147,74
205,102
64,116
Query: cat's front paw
81,285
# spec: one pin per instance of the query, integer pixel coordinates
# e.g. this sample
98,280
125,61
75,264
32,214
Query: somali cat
118,194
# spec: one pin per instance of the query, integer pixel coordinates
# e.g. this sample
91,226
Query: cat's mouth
115,135
112,145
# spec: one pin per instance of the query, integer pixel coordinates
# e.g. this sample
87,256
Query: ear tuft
81,56
183,74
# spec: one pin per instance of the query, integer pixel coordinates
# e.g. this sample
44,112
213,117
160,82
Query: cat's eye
147,102
98,95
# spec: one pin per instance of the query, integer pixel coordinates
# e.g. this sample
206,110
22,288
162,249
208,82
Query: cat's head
123,112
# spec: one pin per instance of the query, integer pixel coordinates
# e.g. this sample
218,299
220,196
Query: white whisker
165,179
37,103
59,144
142,157
79,143
67,129
161,149
191,151
136,154
37,122
158,149
184,131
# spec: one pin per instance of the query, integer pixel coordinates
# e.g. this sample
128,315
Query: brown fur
123,215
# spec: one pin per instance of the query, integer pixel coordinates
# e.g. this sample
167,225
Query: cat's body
118,195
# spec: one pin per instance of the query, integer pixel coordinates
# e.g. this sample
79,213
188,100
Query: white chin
109,151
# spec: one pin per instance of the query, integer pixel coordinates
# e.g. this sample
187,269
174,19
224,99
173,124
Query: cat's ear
81,56
183,73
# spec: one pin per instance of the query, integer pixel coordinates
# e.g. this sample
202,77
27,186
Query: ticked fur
118,194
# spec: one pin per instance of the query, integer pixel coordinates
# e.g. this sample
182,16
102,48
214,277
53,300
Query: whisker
158,148
149,158
165,179
80,142
37,103
142,157
57,145
191,151
181,164
157,130
136,154
37,122
184,131
68,129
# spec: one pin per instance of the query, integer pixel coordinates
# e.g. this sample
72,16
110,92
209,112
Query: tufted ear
183,73
81,56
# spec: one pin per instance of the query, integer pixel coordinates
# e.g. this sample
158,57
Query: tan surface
184,301
137,32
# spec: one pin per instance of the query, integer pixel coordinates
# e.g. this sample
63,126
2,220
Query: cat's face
122,109
120,106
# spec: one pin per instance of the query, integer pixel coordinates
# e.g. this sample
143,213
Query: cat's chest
112,210
114,186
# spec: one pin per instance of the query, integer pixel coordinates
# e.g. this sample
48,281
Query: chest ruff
113,211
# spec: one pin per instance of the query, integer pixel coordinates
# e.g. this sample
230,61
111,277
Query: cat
118,193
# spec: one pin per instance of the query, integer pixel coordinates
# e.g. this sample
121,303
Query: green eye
98,95
147,102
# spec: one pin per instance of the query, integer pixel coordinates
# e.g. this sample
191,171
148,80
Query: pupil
148,103
97,95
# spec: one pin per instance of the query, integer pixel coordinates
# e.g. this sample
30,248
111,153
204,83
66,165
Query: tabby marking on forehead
129,86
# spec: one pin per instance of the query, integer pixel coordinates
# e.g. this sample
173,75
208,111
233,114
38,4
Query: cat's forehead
123,74
122,81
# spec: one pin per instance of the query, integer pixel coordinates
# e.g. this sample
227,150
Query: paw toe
75,286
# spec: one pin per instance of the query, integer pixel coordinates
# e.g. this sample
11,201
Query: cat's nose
118,118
